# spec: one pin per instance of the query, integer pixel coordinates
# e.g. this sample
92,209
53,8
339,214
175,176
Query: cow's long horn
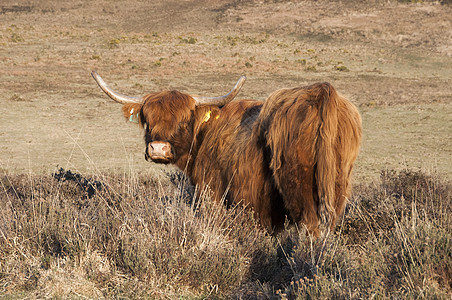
112,94
222,100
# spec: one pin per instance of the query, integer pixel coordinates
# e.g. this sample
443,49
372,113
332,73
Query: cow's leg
260,193
296,183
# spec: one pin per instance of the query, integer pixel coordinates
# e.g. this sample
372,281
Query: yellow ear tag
207,116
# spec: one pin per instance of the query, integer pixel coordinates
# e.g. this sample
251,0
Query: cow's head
171,119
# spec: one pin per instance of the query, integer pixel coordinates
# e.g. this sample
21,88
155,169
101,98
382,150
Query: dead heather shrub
152,241
394,242
71,235
375,208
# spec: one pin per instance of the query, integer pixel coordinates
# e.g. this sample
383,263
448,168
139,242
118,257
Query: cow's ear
131,112
206,114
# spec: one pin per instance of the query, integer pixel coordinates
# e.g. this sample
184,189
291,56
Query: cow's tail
325,174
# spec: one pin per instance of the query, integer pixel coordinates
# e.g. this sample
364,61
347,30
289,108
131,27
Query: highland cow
289,157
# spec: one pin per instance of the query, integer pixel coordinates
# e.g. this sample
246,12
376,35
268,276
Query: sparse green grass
341,68
188,40
70,235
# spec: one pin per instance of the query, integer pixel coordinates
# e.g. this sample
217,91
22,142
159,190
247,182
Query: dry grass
109,236
398,56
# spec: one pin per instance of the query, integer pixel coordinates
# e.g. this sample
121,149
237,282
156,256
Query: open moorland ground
392,59
108,224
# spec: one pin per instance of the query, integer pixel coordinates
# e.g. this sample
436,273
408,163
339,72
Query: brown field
393,59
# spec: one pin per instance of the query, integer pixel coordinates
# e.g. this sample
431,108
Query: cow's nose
160,151
160,148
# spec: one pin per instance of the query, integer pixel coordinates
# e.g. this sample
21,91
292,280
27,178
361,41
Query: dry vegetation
109,225
111,236
391,59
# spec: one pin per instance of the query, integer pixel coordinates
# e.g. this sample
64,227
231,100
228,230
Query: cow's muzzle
159,152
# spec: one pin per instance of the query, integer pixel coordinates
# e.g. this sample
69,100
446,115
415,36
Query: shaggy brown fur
314,137
290,156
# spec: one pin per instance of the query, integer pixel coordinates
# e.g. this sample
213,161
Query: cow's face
171,121
167,119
